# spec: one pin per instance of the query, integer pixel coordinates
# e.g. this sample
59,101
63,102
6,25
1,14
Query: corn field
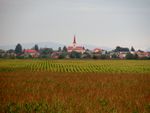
76,66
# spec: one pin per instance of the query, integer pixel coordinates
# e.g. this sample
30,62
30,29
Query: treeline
62,53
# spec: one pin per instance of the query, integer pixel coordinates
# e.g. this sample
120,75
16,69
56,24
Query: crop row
76,66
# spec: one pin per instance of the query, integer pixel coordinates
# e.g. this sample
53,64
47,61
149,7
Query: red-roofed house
97,50
142,54
31,52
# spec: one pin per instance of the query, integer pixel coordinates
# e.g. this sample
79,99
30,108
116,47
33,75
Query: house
11,53
31,53
75,47
55,55
142,54
122,55
2,53
133,52
121,52
97,50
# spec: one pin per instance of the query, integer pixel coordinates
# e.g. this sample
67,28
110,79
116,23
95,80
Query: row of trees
19,49
62,53
118,49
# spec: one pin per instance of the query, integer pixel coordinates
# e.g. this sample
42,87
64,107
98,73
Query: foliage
75,54
20,57
36,47
86,55
114,56
118,49
12,108
132,49
62,55
131,56
18,49
64,49
59,49
56,92
96,56
104,56
46,52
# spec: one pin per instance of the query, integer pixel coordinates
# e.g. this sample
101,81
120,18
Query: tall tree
18,49
59,49
64,49
36,47
132,49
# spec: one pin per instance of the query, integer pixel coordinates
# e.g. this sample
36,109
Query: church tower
75,47
74,42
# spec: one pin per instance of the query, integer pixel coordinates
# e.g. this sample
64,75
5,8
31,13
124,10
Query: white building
75,47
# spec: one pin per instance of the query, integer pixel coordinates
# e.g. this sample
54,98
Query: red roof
30,51
97,49
70,47
76,48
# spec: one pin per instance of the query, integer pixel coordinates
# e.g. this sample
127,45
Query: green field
81,66
74,86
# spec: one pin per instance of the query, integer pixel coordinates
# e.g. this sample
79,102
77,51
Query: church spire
74,40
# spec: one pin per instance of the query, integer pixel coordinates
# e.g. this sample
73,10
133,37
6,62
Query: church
75,47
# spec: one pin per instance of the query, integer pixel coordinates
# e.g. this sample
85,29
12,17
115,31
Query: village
74,51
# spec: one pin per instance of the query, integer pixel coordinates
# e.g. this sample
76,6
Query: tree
114,56
18,49
132,49
59,49
96,56
75,54
62,55
129,56
36,47
86,55
118,49
136,56
2,53
104,56
46,51
64,49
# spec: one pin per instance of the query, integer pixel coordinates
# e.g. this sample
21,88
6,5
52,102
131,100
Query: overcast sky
96,22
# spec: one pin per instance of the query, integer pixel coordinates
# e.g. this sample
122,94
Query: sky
108,23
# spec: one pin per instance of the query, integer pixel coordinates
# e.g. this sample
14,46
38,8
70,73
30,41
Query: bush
62,55
103,57
20,57
96,57
131,56
75,54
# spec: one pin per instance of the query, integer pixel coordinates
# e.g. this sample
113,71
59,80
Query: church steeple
74,40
